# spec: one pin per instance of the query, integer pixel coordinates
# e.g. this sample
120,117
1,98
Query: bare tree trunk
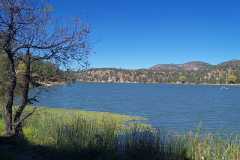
9,98
24,96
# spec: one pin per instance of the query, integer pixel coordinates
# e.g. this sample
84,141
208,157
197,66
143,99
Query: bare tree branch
27,25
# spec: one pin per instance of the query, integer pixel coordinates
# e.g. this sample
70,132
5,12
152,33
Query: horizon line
190,61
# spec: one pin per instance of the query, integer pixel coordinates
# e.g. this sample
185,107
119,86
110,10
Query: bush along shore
74,134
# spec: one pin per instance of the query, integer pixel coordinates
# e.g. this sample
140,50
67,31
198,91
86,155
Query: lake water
173,107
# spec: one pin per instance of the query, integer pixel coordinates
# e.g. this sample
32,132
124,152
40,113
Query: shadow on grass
12,149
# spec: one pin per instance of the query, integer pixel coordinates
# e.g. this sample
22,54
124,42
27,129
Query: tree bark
9,98
24,96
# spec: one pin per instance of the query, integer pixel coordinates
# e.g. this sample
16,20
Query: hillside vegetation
192,72
42,72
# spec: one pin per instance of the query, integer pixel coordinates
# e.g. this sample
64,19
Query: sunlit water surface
177,108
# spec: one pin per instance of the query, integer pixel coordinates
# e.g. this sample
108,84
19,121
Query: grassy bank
74,134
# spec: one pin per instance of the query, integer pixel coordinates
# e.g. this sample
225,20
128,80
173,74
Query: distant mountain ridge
190,72
189,66
231,63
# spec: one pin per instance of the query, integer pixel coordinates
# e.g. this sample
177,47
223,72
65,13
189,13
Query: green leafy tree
45,71
232,79
182,79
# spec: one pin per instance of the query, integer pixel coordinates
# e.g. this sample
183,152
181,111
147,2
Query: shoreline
194,84
50,84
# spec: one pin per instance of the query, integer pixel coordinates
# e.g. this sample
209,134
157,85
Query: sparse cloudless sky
141,33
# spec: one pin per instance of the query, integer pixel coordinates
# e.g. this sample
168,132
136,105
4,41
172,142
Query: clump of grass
143,143
211,147
47,126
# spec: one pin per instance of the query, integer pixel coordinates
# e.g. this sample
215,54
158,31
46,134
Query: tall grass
105,139
211,147
101,135
92,135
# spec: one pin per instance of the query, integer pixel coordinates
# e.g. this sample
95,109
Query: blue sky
142,33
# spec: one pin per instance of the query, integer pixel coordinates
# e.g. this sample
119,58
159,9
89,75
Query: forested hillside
191,72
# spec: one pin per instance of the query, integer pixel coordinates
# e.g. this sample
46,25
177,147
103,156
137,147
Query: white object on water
224,87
